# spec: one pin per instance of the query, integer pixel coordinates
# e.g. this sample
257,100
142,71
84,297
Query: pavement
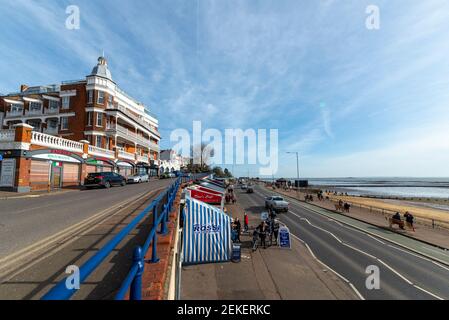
32,277
271,273
25,221
349,246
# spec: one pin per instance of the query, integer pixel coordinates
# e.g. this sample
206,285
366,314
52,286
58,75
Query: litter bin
236,253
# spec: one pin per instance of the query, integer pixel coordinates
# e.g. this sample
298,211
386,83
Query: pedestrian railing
133,281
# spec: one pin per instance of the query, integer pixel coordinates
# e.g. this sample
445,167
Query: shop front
99,165
125,168
54,169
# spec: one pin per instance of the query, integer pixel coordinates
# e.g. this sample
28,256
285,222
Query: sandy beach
401,206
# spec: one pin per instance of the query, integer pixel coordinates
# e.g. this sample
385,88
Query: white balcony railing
7,135
130,135
33,112
143,158
52,110
100,152
133,116
126,155
46,140
14,113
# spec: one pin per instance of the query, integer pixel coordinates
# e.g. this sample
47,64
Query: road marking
373,234
375,258
332,270
430,293
8,263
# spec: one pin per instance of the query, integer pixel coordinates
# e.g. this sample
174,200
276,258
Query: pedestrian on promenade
276,230
409,219
238,227
245,221
262,230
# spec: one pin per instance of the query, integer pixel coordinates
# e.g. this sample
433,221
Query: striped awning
206,233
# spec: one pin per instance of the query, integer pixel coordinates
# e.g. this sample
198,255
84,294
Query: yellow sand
417,211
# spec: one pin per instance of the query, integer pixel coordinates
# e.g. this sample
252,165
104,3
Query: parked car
164,175
104,179
244,187
250,189
138,178
276,203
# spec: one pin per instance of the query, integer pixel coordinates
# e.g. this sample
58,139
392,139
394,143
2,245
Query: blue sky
352,101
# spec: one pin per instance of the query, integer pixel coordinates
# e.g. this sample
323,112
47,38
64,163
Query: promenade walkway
271,273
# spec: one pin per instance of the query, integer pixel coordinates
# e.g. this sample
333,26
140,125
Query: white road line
395,272
373,257
332,270
418,256
374,238
430,293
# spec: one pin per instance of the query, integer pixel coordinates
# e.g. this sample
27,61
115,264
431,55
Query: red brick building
122,135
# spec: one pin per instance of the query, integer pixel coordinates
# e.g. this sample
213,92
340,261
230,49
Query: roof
101,69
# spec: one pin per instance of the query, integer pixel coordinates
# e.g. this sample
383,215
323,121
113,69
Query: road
348,252
27,220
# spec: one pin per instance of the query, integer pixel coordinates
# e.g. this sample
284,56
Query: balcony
131,136
100,152
7,135
14,113
52,110
126,155
143,158
51,130
136,118
35,112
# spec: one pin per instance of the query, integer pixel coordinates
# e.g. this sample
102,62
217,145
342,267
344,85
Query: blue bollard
164,228
135,292
154,257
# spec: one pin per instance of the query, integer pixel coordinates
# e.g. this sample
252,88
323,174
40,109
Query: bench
392,222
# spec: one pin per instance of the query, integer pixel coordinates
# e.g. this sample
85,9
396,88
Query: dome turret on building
101,69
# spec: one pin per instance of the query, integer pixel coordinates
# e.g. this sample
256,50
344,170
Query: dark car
250,190
104,179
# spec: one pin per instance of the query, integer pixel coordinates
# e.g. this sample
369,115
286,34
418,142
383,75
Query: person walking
409,219
245,221
238,228
262,230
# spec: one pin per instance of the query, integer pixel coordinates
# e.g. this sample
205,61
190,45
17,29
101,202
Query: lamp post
297,167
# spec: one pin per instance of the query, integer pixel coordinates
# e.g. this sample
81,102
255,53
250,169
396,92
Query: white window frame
90,118
65,102
96,141
62,123
90,96
50,102
99,120
100,94
35,104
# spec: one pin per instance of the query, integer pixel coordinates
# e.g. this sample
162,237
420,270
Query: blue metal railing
133,281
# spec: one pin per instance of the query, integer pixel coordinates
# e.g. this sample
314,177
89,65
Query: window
90,96
66,102
98,141
35,106
110,101
89,118
53,104
99,120
64,123
100,99
16,108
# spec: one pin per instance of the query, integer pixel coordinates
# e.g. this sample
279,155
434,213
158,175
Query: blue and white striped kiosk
206,233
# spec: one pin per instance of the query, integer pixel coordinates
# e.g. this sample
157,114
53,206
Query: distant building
170,161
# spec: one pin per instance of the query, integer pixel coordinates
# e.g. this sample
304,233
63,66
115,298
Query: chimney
23,87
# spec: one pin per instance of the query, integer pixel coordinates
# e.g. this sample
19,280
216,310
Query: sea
385,187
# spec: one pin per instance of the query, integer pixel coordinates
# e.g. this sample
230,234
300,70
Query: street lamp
297,167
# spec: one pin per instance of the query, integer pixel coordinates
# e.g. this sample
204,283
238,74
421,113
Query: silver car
138,178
